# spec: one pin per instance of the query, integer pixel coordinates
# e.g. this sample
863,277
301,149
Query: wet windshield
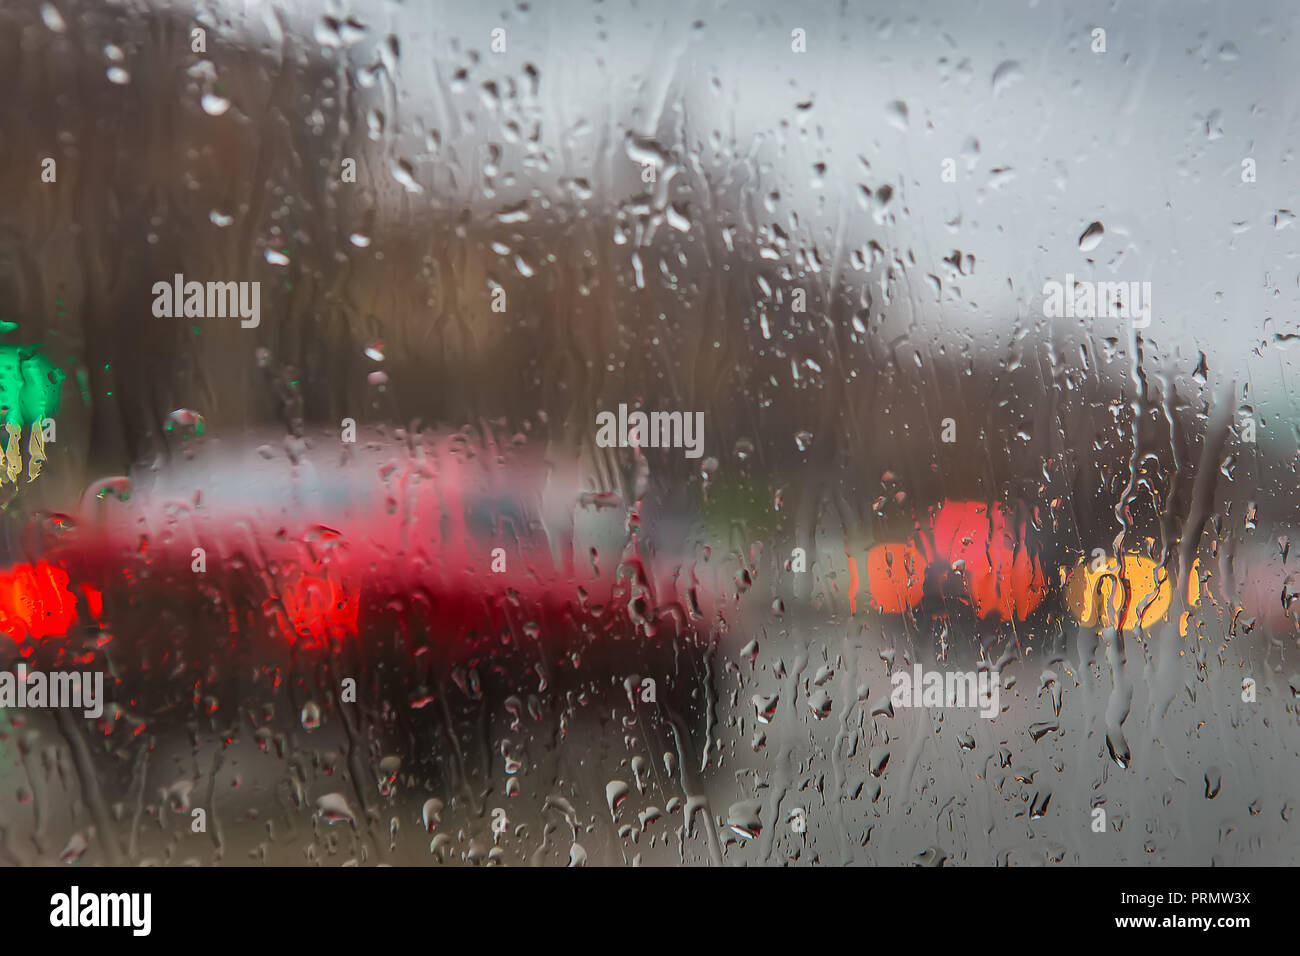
614,433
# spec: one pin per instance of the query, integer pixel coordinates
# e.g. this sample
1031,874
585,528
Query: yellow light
1096,597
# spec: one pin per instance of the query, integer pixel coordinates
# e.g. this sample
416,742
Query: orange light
895,577
1000,576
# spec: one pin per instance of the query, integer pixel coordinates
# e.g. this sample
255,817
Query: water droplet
743,818
404,173
333,808
616,792
389,767
119,488
53,20
186,420
214,104
1091,237
431,814
516,213
310,716
819,702
75,849
896,114
177,796
1213,783
1007,73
